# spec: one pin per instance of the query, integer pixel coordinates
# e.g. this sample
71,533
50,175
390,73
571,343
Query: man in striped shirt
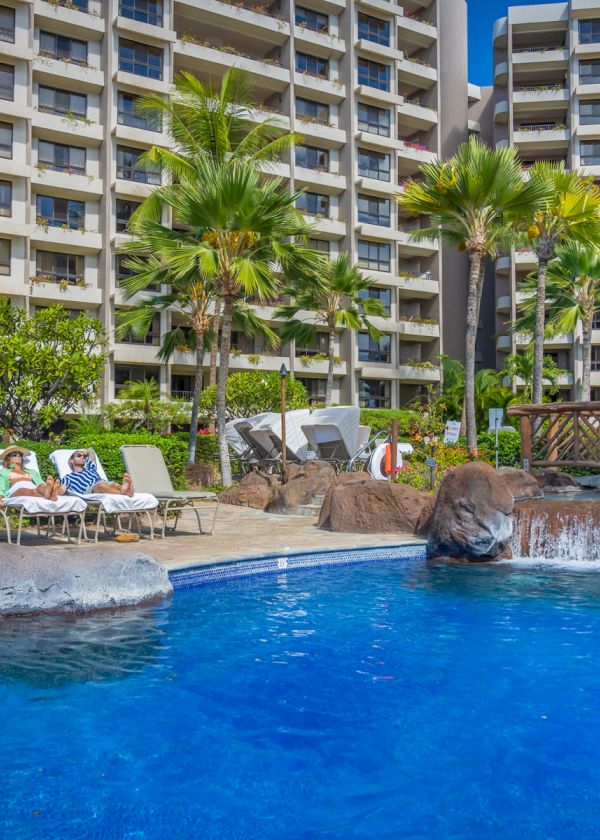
84,477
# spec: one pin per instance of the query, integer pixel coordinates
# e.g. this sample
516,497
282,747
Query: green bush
509,448
252,392
106,446
380,420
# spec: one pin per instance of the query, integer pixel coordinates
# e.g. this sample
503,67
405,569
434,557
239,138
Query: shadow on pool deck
240,533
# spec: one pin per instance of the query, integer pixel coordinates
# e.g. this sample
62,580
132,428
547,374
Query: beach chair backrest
30,461
146,466
60,459
333,432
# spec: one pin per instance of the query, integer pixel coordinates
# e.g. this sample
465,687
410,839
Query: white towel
116,503
36,504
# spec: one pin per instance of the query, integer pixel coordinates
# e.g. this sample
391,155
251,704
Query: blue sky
482,14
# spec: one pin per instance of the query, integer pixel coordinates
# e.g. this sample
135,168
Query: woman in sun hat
17,480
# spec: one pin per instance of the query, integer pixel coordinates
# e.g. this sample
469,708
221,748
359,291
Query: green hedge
380,419
509,447
106,446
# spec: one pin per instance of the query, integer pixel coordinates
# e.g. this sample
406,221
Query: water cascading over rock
557,529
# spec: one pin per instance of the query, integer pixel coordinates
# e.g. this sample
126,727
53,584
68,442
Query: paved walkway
241,533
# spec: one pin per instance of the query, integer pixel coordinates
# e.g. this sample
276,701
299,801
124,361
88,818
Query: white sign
452,431
495,419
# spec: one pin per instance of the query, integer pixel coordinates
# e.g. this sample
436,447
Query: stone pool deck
241,533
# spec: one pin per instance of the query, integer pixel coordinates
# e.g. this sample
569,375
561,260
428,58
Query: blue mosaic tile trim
190,578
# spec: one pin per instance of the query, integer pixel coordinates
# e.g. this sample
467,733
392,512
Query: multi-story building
375,87
545,101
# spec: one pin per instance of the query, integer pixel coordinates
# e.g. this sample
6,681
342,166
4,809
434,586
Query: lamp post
283,372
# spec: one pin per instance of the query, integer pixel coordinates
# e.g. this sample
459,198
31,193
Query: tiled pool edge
270,564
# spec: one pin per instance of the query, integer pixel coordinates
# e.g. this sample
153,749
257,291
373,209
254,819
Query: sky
482,14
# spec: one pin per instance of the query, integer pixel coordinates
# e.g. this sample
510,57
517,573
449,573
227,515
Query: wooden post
283,432
394,453
552,443
525,442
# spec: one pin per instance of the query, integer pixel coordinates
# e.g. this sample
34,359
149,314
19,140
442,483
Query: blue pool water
388,699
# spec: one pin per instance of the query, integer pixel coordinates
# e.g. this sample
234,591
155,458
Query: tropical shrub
251,392
380,420
509,448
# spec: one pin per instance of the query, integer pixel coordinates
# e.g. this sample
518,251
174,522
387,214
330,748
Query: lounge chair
236,434
146,466
260,446
32,507
333,433
109,504
267,434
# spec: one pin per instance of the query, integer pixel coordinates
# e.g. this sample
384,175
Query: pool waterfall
558,528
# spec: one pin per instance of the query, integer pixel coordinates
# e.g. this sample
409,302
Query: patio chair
109,504
267,433
30,507
146,466
333,433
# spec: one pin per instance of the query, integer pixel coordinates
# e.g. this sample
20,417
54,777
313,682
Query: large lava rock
303,486
254,490
472,520
554,481
521,484
373,507
35,580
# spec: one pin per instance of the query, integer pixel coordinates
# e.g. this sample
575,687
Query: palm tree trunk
538,346
330,365
587,358
193,436
473,299
214,349
224,460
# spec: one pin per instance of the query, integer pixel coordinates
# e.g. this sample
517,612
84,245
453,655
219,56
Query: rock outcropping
35,580
264,492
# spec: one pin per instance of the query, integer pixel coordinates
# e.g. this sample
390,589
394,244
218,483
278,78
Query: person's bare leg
46,489
127,486
27,492
105,487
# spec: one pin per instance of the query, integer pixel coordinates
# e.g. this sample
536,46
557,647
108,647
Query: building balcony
409,330
562,341
68,21
140,136
385,189
61,129
417,375
328,228
377,52
14,168
525,260
407,246
242,21
13,227
417,74
411,156
18,51
504,344
141,84
316,367
64,73
503,304
501,112
327,182
48,293
327,136
18,108
414,116
416,286
138,353
564,380
209,60
501,74
66,240
380,7
500,34
137,30
319,43
541,98
414,34
132,189
64,184
546,136
546,58
316,87
380,98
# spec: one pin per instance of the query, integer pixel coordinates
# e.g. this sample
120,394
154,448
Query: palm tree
572,296
471,200
489,390
145,392
569,210
336,303
521,365
239,232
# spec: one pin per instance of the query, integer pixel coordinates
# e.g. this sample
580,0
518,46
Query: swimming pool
388,699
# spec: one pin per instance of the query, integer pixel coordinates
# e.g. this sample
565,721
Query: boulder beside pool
39,580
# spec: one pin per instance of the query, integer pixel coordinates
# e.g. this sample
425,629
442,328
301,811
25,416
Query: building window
590,153
146,11
589,72
7,82
312,158
373,29
122,272
315,388
373,349
60,212
59,268
589,112
124,211
374,393
308,110
308,19
5,248
7,24
152,337
374,211
61,158
62,48
57,101
127,114
321,245
5,198
314,204
140,59
312,65
134,373
182,386
373,165
128,167
6,140
374,255
596,320
384,296
374,120
80,5
596,357
589,31
374,75
318,347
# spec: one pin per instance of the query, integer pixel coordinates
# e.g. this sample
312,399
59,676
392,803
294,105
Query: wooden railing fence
559,434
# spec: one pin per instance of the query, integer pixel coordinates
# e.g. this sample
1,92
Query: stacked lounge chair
333,433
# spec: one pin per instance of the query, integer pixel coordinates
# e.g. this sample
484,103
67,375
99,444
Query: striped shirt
79,483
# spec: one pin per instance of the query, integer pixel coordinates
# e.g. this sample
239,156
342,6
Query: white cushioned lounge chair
32,507
139,505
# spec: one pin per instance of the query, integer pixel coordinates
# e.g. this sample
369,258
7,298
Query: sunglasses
78,455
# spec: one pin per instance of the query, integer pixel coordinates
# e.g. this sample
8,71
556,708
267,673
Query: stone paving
241,533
